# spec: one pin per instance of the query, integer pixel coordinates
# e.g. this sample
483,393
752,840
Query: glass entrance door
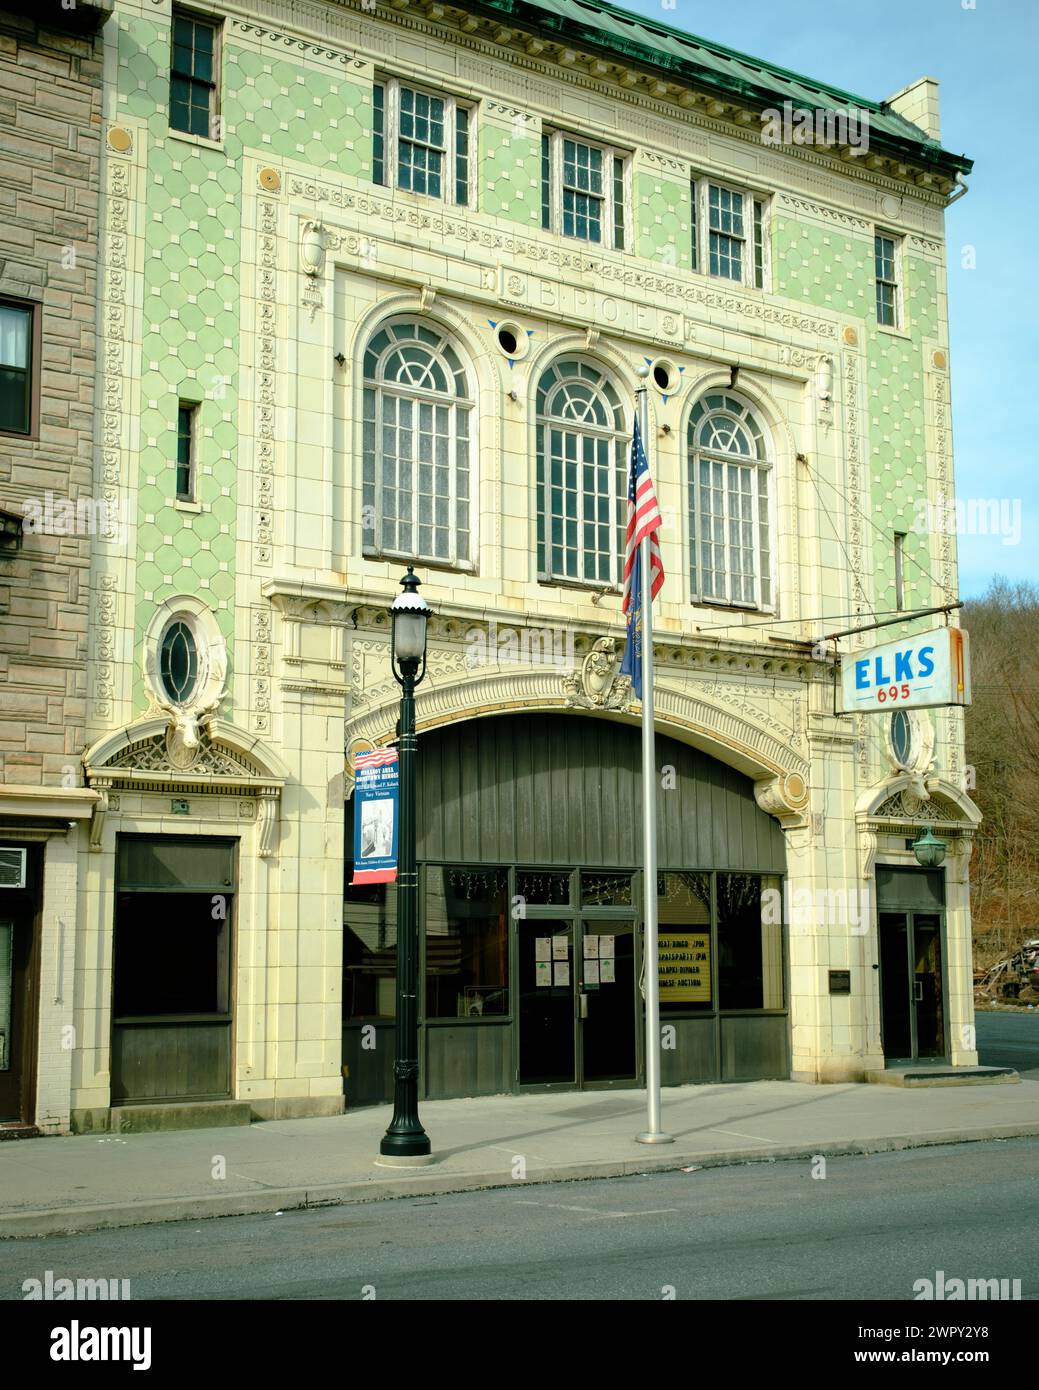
913,1022
547,1035
607,1002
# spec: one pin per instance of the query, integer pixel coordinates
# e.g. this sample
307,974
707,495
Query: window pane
694,244
461,156
15,325
378,133
542,886
684,912
750,941
467,942
14,400
546,185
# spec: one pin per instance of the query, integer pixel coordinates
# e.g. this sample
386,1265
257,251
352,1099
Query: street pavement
856,1228
95,1181
1009,1040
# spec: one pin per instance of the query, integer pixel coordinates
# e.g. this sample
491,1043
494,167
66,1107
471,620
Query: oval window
902,738
178,662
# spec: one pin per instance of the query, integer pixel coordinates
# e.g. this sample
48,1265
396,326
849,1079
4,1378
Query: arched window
582,449
178,661
729,469
417,470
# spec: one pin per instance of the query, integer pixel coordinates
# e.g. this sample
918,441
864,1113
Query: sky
983,53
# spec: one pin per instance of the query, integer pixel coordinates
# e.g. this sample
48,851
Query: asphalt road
869,1229
1009,1040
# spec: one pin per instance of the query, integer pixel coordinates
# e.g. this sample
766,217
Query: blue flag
632,662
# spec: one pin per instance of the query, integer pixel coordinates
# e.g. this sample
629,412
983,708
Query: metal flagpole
650,966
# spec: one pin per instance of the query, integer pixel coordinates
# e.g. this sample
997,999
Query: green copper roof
684,56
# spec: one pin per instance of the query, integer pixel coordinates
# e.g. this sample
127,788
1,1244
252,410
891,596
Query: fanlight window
729,470
178,662
417,469
581,457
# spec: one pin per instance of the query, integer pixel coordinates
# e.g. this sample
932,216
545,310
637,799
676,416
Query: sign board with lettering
376,791
921,672
684,966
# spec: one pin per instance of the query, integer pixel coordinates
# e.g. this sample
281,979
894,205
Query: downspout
960,187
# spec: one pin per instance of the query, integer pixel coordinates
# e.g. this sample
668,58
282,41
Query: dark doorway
19,981
910,922
172,970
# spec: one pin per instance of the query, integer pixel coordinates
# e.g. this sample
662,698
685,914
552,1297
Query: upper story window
583,190
178,661
887,261
194,82
187,431
19,367
416,446
582,447
729,504
421,142
728,233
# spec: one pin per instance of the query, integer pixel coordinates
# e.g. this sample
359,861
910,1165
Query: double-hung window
887,258
422,142
729,233
194,80
583,190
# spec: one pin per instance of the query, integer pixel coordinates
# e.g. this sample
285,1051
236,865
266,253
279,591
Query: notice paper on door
560,948
561,970
543,972
606,973
542,948
606,948
591,972
591,947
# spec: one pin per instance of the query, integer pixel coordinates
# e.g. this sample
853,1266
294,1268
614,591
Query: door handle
583,1007
918,991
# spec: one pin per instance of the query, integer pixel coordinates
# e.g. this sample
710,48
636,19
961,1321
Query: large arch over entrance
529,838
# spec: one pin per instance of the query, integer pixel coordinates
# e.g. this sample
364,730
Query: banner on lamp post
921,672
376,800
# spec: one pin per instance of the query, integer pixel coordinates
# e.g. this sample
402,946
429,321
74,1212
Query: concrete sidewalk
90,1182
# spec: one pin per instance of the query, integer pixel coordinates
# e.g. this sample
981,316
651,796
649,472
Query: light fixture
409,613
929,850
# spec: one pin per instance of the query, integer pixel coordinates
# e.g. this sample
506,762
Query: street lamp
405,1141
929,850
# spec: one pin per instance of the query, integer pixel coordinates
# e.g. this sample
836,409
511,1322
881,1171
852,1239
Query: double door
912,1012
577,1001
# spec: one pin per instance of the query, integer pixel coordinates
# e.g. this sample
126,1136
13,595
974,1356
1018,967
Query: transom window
421,142
193,75
581,463
416,470
178,662
728,235
729,469
885,254
582,190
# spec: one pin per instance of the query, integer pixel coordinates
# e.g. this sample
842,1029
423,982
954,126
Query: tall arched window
582,446
417,467
729,469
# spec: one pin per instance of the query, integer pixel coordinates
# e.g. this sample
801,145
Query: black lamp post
406,1139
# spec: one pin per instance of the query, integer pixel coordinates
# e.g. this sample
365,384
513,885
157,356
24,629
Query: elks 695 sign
920,672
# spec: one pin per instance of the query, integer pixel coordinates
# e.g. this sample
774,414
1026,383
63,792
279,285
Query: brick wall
50,131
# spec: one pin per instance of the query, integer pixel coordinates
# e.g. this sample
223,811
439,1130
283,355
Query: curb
26,1224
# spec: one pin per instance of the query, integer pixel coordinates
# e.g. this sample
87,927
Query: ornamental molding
900,805
597,683
226,761
824,213
297,43
713,728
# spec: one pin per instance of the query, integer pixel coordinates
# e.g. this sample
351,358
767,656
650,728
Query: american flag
644,519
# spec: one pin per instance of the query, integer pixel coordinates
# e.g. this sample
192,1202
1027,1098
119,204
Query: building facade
378,288
50,161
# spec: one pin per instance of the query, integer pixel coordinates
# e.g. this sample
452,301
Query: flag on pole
644,520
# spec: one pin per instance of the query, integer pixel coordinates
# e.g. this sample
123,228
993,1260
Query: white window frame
701,183
555,188
897,242
391,139
766,467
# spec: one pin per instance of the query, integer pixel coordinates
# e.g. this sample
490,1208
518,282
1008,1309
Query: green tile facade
662,231
509,181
